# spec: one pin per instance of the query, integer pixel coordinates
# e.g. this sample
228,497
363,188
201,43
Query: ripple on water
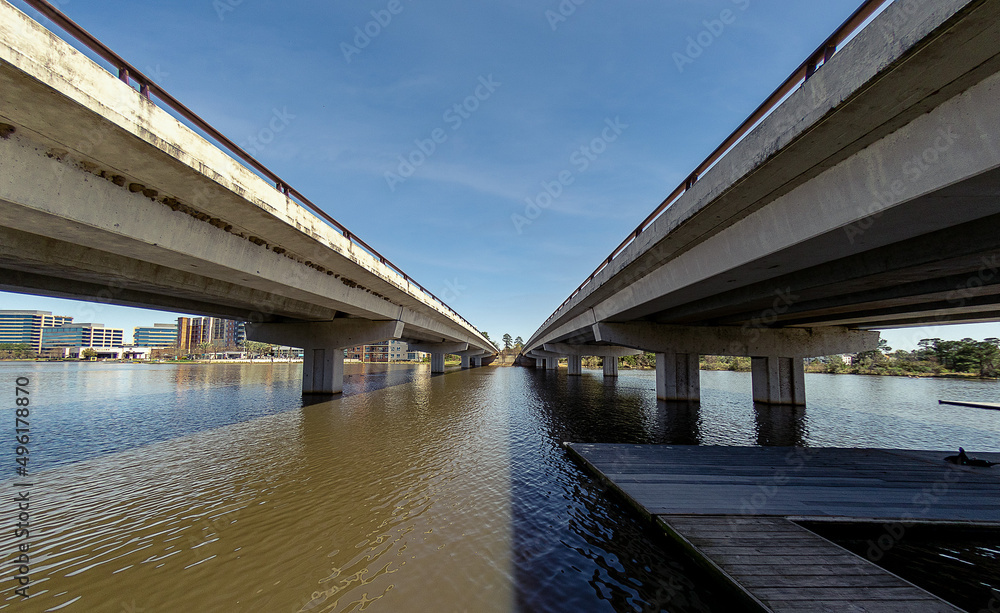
410,493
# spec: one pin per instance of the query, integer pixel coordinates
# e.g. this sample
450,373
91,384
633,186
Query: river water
218,488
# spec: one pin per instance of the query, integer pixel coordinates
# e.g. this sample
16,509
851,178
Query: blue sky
360,86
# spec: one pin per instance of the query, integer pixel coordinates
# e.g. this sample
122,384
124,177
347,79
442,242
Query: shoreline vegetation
964,359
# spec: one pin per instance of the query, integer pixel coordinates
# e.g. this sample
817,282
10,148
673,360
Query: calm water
217,488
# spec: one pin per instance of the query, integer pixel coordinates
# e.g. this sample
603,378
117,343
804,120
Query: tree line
933,356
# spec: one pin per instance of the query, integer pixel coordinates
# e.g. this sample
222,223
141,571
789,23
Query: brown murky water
216,488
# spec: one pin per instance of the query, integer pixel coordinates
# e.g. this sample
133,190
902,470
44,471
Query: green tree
255,349
89,353
17,351
508,342
876,356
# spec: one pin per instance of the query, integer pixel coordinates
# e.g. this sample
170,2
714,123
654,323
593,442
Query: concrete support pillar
677,377
323,371
552,363
539,364
575,364
778,380
477,362
610,366
323,344
438,351
466,361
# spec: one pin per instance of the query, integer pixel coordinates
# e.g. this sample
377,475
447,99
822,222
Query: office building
25,327
82,335
158,335
385,351
194,332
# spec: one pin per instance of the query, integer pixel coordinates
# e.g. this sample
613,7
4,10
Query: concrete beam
323,344
745,341
336,334
443,348
584,350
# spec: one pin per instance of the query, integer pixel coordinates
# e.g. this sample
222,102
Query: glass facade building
159,335
82,335
25,327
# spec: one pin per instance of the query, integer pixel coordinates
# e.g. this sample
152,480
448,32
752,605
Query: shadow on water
780,426
574,539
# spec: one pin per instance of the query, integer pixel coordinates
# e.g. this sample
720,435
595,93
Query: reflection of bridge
868,198
105,196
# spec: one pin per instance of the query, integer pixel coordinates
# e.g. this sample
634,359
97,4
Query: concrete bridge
105,196
868,198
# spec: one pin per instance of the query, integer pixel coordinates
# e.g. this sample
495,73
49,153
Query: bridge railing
801,74
148,88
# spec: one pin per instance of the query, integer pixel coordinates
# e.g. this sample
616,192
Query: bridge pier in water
778,380
438,351
472,358
678,377
323,344
775,380
610,366
574,364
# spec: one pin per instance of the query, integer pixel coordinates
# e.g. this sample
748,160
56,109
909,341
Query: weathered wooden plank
865,579
862,606
728,506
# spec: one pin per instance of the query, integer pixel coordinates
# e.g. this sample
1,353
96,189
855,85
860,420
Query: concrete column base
437,362
610,366
323,371
778,380
323,346
552,363
539,364
476,362
575,364
466,361
677,377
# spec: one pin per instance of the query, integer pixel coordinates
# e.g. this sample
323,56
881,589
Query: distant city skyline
128,318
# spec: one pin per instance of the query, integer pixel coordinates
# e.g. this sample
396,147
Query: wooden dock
735,510
977,405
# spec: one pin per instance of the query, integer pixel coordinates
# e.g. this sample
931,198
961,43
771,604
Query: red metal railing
148,88
801,74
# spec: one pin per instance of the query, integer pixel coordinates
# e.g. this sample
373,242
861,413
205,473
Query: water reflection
679,422
780,426
220,488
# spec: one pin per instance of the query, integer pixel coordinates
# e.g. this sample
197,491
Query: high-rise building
25,327
159,335
82,335
220,333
